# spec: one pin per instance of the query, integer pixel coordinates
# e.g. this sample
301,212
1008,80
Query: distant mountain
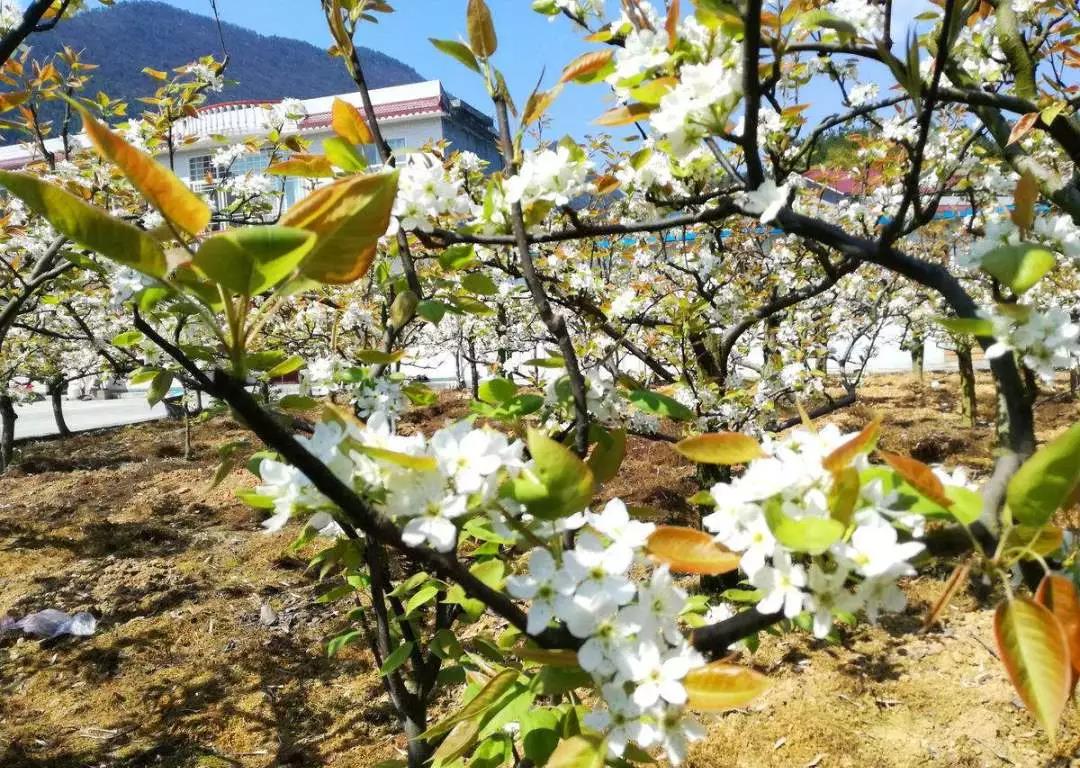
124,38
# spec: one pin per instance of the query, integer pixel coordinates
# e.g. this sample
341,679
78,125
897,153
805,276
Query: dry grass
182,674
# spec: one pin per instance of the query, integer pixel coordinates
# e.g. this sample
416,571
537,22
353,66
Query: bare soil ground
182,674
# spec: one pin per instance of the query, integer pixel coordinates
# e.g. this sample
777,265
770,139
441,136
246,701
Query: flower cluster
634,648
1045,341
426,192
554,175
423,485
791,483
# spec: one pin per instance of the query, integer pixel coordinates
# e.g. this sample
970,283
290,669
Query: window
201,171
253,163
397,146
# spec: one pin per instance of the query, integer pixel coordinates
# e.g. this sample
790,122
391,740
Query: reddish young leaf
672,24
918,476
686,550
624,115
720,686
1033,648
863,442
1023,127
585,65
1058,594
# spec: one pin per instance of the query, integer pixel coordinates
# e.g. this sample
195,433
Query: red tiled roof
382,111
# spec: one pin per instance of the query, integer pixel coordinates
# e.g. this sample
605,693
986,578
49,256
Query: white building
409,116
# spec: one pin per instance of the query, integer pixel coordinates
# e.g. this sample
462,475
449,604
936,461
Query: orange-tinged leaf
539,102
686,550
863,442
624,115
1025,196
671,25
1042,540
1033,648
957,580
720,686
1058,594
12,99
1023,127
720,448
585,65
606,184
349,216
303,166
349,124
160,186
918,476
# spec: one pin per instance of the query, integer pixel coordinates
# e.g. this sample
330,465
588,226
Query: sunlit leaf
1033,648
582,751
1019,266
813,535
303,166
725,448
864,442
348,123
719,687
486,698
563,484
349,216
457,50
1045,481
160,186
481,29
251,260
686,550
608,454
658,405
86,225
1058,594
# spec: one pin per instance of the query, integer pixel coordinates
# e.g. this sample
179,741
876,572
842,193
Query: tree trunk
419,753
1074,382
918,355
187,426
504,353
7,431
968,403
474,372
56,394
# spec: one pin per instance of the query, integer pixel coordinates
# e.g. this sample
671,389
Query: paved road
36,419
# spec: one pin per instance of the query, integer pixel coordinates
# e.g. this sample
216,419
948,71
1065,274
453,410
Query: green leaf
490,572
608,453
484,700
285,367
344,155
967,506
127,339
254,259
423,596
457,50
585,751
378,357
298,403
159,387
1043,483
336,644
432,311
545,362
457,257
495,391
88,226
974,326
659,405
813,535
1019,266
461,740
396,659
479,283
563,484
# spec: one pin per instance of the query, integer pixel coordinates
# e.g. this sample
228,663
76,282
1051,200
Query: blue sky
528,43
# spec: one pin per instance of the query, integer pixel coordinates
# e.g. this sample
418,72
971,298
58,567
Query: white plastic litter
51,623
